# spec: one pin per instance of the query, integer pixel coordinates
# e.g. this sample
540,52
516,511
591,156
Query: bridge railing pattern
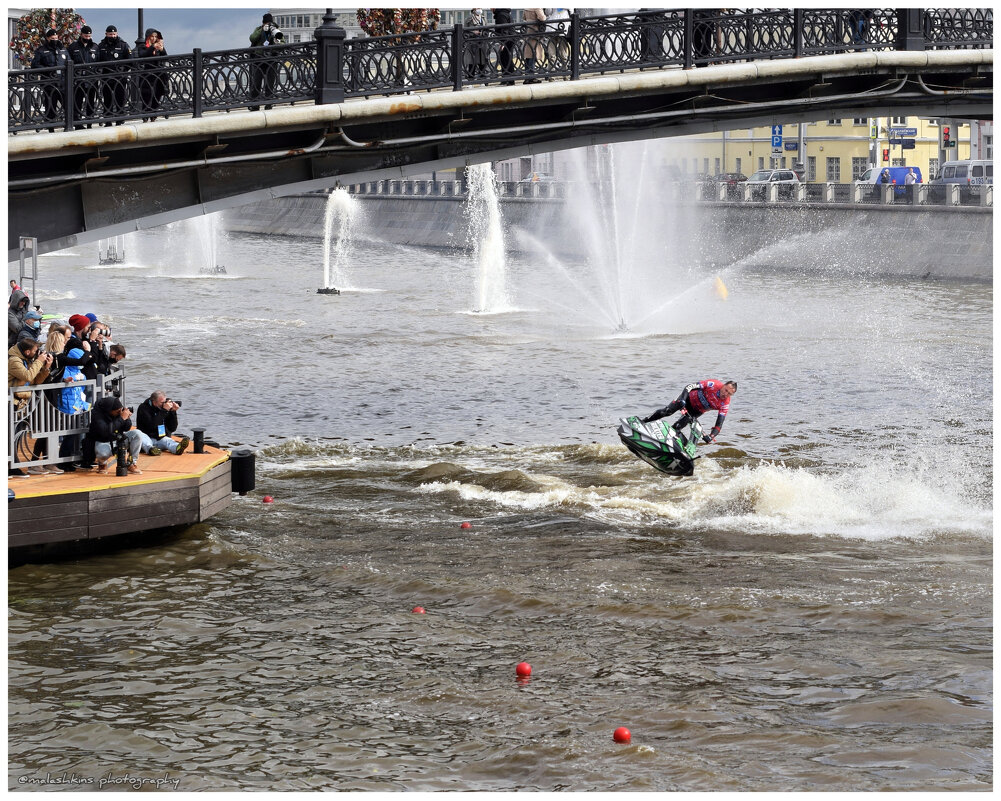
197,82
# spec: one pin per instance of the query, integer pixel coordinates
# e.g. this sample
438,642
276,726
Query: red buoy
523,669
268,499
419,610
622,735
467,524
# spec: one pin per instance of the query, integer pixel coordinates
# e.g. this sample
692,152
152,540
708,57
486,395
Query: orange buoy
467,524
419,610
268,499
622,735
523,669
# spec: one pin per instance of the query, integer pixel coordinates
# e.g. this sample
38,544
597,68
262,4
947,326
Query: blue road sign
908,144
776,142
901,132
776,130
792,145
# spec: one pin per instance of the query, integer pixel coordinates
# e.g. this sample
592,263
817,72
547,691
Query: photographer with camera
264,68
157,421
109,420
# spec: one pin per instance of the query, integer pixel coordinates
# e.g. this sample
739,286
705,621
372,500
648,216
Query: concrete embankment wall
925,242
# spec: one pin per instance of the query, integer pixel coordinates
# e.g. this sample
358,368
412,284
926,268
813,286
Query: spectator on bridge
17,308
31,328
706,34
264,70
475,59
859,21
109,419
51,54
13,288
83,52
505,56
558,46
152,79
533,53
652,24
115,84
157,421
909,180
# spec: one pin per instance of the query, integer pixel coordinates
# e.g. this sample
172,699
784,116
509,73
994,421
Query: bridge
448,99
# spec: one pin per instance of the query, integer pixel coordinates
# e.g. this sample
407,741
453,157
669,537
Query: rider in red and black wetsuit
696,400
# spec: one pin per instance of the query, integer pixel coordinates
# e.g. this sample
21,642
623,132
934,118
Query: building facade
837,150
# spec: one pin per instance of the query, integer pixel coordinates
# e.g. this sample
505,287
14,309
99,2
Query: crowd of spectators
68,352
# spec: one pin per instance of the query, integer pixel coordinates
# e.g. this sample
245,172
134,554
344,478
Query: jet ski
660,445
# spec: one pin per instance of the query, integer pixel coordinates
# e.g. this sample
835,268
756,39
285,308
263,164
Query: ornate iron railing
332,69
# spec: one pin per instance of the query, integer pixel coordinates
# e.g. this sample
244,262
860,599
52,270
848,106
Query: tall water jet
624,251
486,234
338,227
201,245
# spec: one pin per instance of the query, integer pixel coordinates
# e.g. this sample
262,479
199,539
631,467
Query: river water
811,611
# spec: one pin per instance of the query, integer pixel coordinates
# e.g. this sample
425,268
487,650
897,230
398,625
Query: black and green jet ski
660,445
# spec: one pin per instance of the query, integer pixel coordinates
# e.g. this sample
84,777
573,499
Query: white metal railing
36,424
830,192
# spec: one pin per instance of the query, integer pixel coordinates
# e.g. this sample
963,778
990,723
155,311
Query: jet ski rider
696,400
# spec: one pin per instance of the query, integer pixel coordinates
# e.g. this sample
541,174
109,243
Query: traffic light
886,154
947,137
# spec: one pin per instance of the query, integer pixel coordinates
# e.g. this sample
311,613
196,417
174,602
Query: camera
170,400
132,409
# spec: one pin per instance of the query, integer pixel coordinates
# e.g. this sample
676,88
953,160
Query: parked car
537,178
786,180
730,178
788,177
969,172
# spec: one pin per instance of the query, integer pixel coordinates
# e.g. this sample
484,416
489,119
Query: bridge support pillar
886,194
773,193
987,195
829,192
920,196
910,30
329,60
952,194
801,193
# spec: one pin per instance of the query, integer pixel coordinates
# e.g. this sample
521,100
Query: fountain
487,236
111,251
621,254
339,222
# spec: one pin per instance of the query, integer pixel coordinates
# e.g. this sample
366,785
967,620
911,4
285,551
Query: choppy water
813,611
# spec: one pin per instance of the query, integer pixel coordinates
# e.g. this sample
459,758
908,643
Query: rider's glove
706,439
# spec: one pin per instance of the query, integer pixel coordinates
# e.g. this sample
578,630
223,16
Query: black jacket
113,50
49,56
102,424
149,418
83,52
99,364
148,52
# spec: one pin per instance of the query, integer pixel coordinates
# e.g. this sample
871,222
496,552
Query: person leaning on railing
31,328
26,366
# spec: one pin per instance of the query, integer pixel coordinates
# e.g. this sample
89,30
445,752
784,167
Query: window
990,172
989,147
811,168
718,170
834,169
978,171
761,162
296,37
705,166
695,166
773,163
932,168
898,120
863,121
783,160
949,172
834,122
738,167
859,166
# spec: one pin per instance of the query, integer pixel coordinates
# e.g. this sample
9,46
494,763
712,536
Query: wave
884,499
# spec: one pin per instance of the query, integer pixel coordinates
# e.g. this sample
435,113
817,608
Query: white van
970,172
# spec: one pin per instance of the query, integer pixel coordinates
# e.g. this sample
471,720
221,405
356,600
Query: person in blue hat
31,328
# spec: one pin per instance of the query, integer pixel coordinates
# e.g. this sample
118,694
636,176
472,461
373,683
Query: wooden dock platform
86,506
